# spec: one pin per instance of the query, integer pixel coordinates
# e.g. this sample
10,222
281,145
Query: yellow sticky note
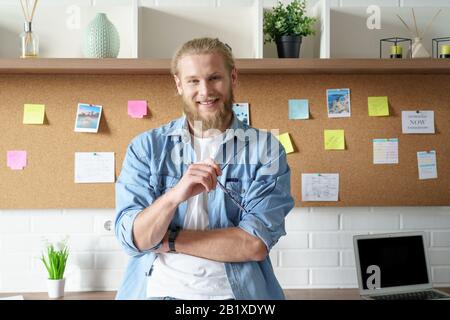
285,140
334,140
33,113
378,106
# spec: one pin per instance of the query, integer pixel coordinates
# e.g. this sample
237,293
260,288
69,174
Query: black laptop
394,266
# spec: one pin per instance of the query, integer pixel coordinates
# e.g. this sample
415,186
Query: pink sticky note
16,160
137,108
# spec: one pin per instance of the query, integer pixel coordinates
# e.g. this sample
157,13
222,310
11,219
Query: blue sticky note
298,109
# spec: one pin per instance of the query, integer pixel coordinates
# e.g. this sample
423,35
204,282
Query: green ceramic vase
101,39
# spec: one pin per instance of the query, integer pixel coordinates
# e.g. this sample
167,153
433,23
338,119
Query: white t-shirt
187,277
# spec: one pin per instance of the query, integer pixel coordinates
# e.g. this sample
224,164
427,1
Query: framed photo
88,118
338,103
242,112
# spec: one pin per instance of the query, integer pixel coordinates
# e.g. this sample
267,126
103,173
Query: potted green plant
286,25
55,259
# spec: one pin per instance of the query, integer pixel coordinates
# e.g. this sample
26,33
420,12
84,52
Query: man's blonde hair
203,46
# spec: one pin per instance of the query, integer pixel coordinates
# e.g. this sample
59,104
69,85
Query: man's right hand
199,177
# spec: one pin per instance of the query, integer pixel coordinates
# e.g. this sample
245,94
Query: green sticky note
285,140
378,106
334,140
33,114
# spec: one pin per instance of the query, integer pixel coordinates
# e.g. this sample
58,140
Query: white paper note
320,186
426,162
418,121
385,151
94,167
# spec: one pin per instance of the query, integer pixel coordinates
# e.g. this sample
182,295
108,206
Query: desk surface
291,294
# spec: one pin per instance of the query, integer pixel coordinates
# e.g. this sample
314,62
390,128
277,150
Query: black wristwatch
173,233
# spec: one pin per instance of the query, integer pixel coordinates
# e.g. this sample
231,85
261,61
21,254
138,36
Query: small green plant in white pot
286,25
55,259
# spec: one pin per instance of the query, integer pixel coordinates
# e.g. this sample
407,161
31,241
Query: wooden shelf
245,66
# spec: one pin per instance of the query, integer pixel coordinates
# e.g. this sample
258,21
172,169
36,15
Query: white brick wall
96,261
317,251
441,276
333,277
292,277
329,256
309,258
441,239
347,258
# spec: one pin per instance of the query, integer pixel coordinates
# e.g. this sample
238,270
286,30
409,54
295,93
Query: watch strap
173,233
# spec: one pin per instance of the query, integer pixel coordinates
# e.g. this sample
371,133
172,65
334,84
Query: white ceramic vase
56,288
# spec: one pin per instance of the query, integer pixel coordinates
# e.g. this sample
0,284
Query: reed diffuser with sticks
418,49
28,39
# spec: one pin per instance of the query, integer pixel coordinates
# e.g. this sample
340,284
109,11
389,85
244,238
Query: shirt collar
181,128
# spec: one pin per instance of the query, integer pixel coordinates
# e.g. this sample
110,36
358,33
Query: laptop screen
401,261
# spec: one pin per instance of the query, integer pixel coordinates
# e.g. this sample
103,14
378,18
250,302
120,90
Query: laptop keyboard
420,295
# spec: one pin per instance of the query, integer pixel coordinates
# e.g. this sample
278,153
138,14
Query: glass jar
445,52
396,52
29,42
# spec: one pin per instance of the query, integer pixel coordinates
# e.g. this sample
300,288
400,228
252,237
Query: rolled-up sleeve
133,194
268,201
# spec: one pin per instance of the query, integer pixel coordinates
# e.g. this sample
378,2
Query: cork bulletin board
48,179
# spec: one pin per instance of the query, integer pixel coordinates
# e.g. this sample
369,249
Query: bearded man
202,200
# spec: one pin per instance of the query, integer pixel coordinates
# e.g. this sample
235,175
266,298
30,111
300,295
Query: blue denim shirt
256,173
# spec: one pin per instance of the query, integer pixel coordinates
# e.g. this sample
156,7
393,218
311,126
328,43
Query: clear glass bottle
29,42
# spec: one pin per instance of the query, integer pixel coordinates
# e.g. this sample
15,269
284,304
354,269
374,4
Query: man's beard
216,121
